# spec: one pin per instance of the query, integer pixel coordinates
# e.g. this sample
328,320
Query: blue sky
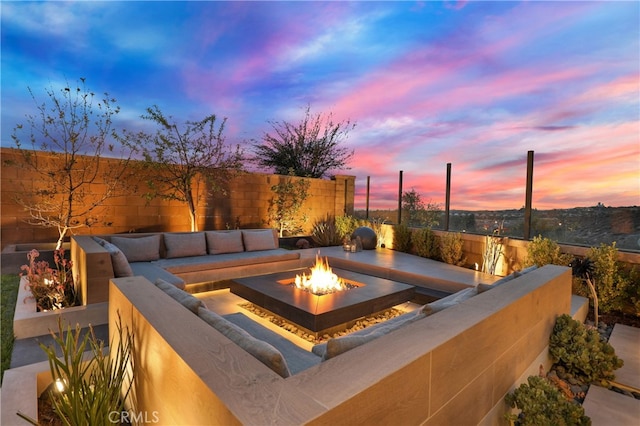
476,84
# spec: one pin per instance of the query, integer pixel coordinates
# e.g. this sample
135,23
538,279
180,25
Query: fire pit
359,296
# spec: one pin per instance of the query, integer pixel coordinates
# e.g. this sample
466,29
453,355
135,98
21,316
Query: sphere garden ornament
367,236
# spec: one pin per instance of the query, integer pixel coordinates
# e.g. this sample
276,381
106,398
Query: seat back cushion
255,240
121,267
185,299
139,249
450,300
261,350
185,244
219,242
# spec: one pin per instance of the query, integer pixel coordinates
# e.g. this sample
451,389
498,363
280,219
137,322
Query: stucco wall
244,206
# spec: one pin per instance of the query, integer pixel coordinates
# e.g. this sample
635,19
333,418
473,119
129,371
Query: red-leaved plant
52,288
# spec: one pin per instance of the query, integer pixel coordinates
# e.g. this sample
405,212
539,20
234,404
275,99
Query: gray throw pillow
450,300
121,267
261,350
258,240
185,299
185,244
139,249
220,242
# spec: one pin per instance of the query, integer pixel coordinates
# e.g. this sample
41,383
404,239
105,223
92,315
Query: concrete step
607,407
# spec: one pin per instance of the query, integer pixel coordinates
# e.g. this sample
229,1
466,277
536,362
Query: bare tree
310,148
187,161
67,139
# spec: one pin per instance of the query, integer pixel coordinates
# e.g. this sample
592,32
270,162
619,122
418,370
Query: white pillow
258,240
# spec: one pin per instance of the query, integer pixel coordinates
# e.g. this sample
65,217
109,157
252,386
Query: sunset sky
476,84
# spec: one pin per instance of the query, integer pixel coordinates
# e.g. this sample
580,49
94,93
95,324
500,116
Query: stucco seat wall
453,367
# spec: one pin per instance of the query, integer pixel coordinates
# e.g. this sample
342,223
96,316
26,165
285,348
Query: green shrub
544,251
402,238
426,243
581,351
324,232
541,403
345,225
608,278
451,249
8,295
633,291
90,390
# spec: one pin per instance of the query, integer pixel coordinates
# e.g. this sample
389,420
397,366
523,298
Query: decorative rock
367,236
302,244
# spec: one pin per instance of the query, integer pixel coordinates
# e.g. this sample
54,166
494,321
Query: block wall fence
245,205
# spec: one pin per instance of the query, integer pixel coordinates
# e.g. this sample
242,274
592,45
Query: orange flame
322,280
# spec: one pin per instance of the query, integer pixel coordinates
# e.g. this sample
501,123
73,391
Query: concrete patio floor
605,407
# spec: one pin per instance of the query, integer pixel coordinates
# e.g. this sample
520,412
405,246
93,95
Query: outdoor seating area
441,355
479,346
180,258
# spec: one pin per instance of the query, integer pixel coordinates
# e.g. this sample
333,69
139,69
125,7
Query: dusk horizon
475,84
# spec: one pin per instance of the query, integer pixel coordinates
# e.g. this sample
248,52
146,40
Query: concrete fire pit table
277,294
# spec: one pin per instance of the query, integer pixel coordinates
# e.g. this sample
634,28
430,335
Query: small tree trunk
62,232
192,218
192,213
592,287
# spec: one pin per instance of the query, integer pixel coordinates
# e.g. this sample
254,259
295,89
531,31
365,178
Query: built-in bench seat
468,355
286,358
178,258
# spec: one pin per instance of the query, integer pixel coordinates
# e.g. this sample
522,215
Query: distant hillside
588,226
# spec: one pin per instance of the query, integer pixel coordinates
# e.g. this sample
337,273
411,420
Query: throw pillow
261,350
185,244
258,240
139,249
185,299
451,300
220,242
121,267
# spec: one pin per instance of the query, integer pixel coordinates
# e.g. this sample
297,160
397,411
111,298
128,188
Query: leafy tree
310,148
416,212
67,139
186,160
284,208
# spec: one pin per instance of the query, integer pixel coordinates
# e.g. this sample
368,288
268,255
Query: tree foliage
286,204
311,148
187,162
63,145
416,212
